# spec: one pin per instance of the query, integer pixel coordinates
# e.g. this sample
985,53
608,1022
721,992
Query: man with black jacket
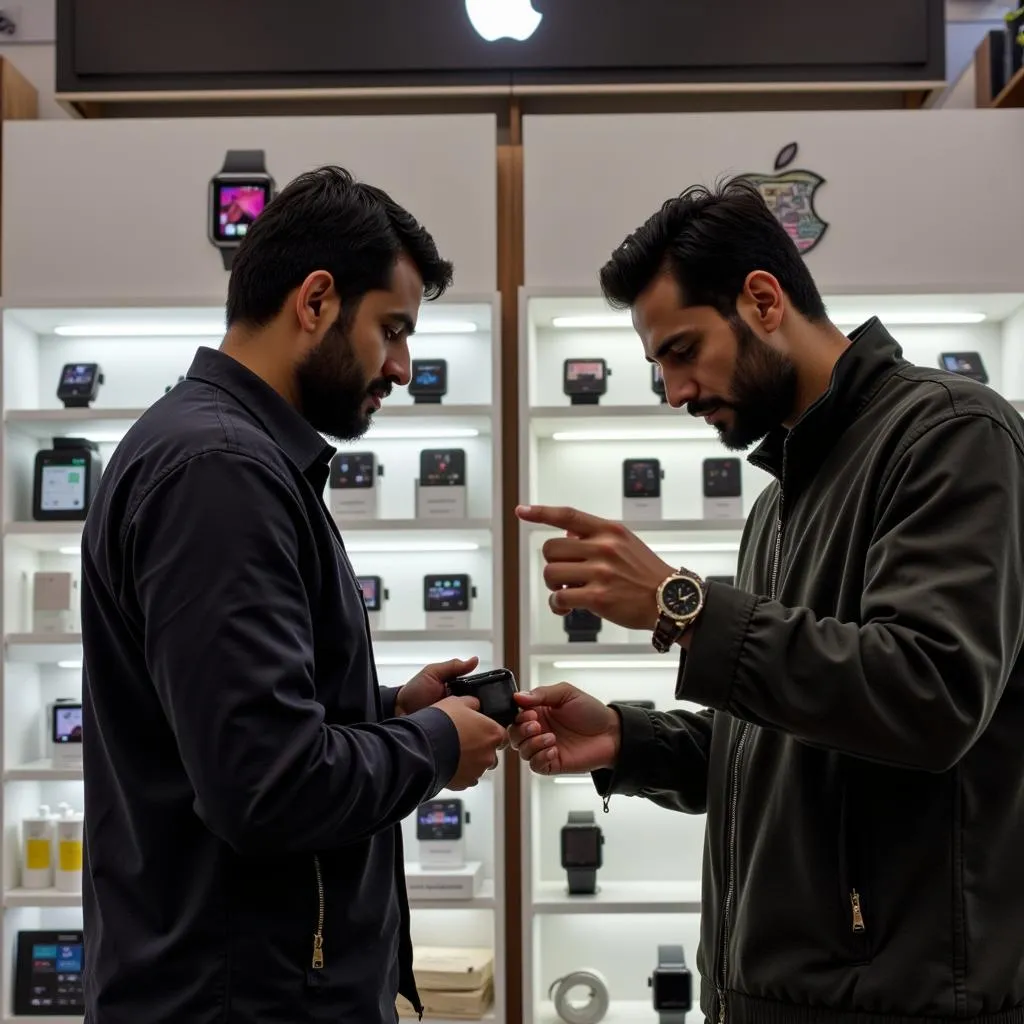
860,758
245,776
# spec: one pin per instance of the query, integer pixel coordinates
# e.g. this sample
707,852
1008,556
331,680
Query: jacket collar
872,357
305,446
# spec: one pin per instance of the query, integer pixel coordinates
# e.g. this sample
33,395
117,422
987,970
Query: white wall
915,201
117,209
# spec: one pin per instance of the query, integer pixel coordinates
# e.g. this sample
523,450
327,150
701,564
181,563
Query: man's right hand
480,739
562,729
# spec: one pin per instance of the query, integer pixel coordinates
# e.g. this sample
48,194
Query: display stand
440,503
884,252
143,320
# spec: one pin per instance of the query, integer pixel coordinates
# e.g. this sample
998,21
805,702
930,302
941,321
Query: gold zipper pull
318,951
858,917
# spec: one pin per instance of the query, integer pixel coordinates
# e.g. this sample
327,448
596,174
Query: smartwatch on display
967,364
66,733
641,478
239,192
354,471
722,478
450,593
48,970
442,467
658,383
680,601
429,380
585,380
374,594
581,626
582,842
440,833
671,986
65,480
79,384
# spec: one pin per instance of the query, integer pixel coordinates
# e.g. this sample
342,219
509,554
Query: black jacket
861,763
244,775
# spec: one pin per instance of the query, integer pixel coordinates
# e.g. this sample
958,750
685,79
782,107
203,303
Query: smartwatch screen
446,593
439,819
371,588
442,467
353,470
641,478
429,377
236,205
581,846
584,376
722,478
67,723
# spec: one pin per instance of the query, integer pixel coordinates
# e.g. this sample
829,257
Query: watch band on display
582,881
241,161
668,957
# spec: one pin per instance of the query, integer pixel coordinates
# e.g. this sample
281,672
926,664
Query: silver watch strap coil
571,1012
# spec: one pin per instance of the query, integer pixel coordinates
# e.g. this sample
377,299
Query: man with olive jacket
860,759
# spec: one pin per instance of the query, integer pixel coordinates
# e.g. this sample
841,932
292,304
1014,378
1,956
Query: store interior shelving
649,885
142,350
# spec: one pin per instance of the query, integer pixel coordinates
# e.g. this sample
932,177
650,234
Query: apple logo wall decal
503,19
790,196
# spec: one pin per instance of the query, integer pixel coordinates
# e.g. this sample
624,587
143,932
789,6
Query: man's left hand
600,566
428,686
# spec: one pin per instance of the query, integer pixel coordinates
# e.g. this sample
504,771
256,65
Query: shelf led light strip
184,329
423,433
399,547
899,318
681,434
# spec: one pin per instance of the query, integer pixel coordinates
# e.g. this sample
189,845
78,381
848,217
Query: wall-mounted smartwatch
581,626
79,384
723,488
48,974
446,600
374,596
582,854
239,192
658,383
428,383
352,484
641,489
585,380
671,986
440,833
442,467
967,364
66,479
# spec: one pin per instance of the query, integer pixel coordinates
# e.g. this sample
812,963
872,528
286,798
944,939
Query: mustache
381,388
703,408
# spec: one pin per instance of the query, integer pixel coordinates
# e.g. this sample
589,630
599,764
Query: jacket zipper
857,916
734,792
318,937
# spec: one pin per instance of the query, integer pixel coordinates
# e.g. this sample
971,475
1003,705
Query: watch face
672,989
443,467
371,588
585,377
62,484
681,597
439,819
353,470
722,478
78,378
429,377
237,202
968,364
446,593
67,723
581,846
641,478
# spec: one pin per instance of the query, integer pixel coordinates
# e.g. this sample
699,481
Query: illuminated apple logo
790,195
503,19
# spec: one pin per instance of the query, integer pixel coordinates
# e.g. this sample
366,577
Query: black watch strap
582,881
671,956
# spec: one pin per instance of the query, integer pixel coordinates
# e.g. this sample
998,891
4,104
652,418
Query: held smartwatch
239,192
680,601
582,841
671,986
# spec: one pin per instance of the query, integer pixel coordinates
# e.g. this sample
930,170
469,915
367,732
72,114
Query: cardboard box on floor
453,983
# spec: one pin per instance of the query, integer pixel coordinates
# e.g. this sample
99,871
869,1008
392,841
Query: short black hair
326,220
710,239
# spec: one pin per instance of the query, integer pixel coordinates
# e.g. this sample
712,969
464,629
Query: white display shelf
653,421
43,648
619,898
46,423
50,536
41,898
460,526
551,652
702,526
42,771
483,900
619,1012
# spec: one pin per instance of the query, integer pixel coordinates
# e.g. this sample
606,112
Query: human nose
397,365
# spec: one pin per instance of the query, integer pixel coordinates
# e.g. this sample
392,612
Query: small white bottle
70,842
37,845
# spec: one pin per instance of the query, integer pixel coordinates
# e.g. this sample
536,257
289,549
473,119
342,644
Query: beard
333,388
763,390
